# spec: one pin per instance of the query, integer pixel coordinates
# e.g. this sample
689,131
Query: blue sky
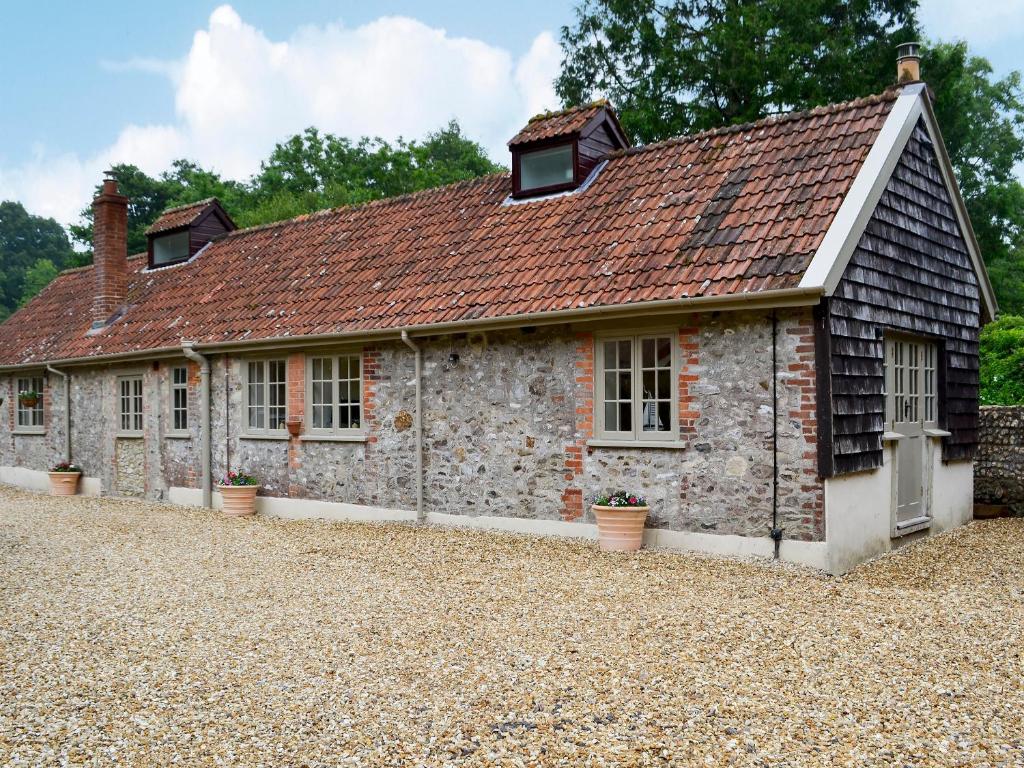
87,84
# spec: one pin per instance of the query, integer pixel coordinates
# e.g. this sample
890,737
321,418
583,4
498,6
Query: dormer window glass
542,168
170,248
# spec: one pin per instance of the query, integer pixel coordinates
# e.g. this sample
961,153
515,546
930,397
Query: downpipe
418,424
776,532
67,410
204,409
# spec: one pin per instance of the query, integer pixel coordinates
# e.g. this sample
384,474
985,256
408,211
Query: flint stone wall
999,468
506,431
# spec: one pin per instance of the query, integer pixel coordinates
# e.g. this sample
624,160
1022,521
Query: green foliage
1002,361
312,171
982,122
30,246
37,277
682,66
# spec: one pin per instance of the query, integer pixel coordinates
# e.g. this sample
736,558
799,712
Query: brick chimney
908,62
110,252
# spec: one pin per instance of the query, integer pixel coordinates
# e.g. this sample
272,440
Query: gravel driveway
139,634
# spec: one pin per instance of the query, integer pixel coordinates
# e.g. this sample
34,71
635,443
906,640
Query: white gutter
67,410
782,297
204,427
418,422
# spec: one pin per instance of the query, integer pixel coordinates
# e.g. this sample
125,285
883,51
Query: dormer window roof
181,232
557,151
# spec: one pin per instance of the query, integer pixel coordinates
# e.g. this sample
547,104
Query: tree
26,240
311,171
1002,361
148,197
982,122
37,277
682,66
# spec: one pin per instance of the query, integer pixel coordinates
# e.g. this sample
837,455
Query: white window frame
173,409
264,431
335,357
636,434
32,415
135,400
925,388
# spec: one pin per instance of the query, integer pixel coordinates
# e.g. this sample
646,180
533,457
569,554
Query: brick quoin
689,348
296,410
804,413
572,496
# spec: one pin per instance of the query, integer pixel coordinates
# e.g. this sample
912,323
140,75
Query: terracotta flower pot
239,500
29,402
64,483
620,529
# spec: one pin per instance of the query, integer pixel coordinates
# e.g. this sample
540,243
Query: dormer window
547,168
557,151
181,232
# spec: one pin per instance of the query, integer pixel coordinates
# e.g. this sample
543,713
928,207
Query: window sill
129,435
672,445
911,526
28,432
178,436
315,438
282,436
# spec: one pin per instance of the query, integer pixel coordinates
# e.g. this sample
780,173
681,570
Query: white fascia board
836,249
832,257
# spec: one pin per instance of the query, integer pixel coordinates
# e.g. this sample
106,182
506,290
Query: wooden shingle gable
911,110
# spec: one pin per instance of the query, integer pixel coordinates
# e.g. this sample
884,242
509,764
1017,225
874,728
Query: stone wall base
37,480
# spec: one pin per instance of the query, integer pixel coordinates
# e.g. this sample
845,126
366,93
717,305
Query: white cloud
979,22
237,92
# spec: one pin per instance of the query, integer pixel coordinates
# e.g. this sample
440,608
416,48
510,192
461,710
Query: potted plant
238,490
620,521
29,398
64,479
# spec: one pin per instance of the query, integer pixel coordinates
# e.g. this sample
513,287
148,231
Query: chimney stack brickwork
110,252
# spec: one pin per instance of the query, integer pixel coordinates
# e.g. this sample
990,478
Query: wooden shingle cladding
910,273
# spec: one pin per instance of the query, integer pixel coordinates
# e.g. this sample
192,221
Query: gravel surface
139,634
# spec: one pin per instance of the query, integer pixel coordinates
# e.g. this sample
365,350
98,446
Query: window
543,168
910,381
130,405
266,396
168,249
335,393
179,399
637,388
30,414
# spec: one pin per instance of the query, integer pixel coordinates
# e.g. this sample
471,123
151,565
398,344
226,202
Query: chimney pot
908,62
110,252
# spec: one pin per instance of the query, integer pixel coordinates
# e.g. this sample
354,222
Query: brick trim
573,504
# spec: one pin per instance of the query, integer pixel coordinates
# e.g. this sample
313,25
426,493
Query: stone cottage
770,330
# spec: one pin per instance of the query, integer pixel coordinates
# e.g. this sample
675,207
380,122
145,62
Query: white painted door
911,408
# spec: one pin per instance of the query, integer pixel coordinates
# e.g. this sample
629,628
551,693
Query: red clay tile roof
181,216
724,212
562,123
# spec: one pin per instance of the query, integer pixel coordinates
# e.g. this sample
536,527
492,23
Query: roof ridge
184,206
888,94
568,110
85,267
394,199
